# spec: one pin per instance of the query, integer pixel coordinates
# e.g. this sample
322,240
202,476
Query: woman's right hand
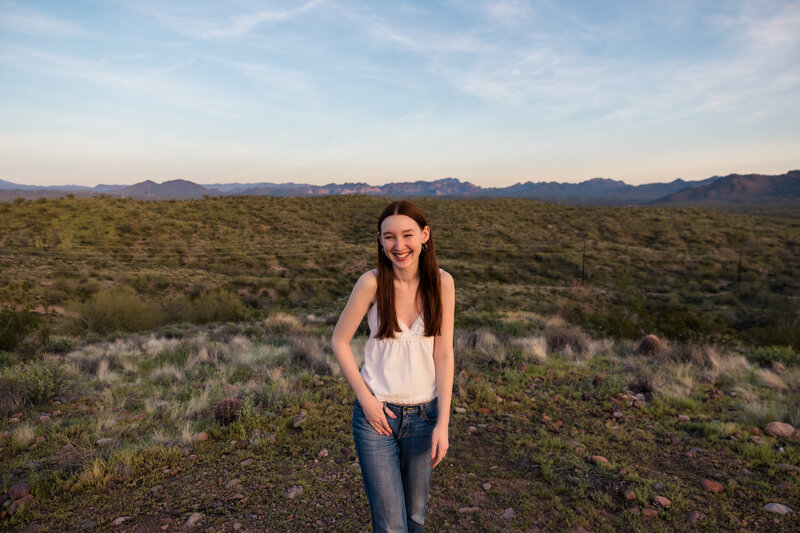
375,414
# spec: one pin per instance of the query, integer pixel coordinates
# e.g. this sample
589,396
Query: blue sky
111,91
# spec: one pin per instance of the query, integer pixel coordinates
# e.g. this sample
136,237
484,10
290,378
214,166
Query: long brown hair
428,278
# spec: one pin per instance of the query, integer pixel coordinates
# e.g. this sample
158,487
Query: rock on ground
780,430
25,500
193,520
662,501
712,486
18,490
293,492
778,508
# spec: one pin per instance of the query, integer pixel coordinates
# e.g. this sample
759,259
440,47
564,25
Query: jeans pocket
430,413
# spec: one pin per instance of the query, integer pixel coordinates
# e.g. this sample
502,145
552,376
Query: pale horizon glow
327,91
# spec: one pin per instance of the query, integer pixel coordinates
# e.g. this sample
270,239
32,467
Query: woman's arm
443,362
357,306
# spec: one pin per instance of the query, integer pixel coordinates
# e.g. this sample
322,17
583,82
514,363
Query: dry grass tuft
646,379
96,475
533,348
103,424
104,373
197,404
483,342
283,324
186,434
681,382
461,381
568,340
731,366
762,411
153,345
22,435
307,354
771,379
171,372
280,386
196,359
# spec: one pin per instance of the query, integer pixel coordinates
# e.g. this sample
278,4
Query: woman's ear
426,233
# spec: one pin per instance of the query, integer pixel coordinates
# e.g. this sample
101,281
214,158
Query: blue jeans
396,469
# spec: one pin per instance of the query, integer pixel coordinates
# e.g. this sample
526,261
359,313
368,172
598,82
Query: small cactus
227,410
650,345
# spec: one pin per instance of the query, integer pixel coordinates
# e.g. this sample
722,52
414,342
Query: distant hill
7,186
740,189
169,189
735,189
442,187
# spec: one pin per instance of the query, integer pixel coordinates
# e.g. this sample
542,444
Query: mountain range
717,190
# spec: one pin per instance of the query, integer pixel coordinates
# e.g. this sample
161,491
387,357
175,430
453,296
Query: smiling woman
403,391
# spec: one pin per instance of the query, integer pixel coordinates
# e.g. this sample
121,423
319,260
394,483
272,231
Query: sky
322,91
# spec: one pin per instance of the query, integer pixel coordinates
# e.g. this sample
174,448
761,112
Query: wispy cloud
273,81
25,20
245,23
152,82
203,24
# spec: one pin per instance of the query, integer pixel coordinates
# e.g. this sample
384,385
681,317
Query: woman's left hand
439,444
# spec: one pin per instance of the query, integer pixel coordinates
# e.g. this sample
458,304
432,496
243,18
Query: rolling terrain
166,365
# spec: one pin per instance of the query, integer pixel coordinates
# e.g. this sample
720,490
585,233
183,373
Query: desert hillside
166,366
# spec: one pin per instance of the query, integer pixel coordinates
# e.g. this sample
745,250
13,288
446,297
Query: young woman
403,391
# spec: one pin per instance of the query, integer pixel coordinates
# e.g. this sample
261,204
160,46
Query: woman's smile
402,239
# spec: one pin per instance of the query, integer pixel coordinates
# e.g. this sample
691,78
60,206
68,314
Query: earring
424,246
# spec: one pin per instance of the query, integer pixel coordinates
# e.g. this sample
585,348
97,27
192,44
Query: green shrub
61,344
219,305
8,359
21,330
247,420
31,383
120,309
766,355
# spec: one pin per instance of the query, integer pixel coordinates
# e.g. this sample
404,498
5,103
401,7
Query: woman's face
402,238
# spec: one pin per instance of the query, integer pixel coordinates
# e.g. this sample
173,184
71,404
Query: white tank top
399,370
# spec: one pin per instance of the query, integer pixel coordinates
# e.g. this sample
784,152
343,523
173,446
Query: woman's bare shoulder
445,276
367,282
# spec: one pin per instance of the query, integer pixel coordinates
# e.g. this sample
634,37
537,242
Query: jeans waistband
401,407
419,407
